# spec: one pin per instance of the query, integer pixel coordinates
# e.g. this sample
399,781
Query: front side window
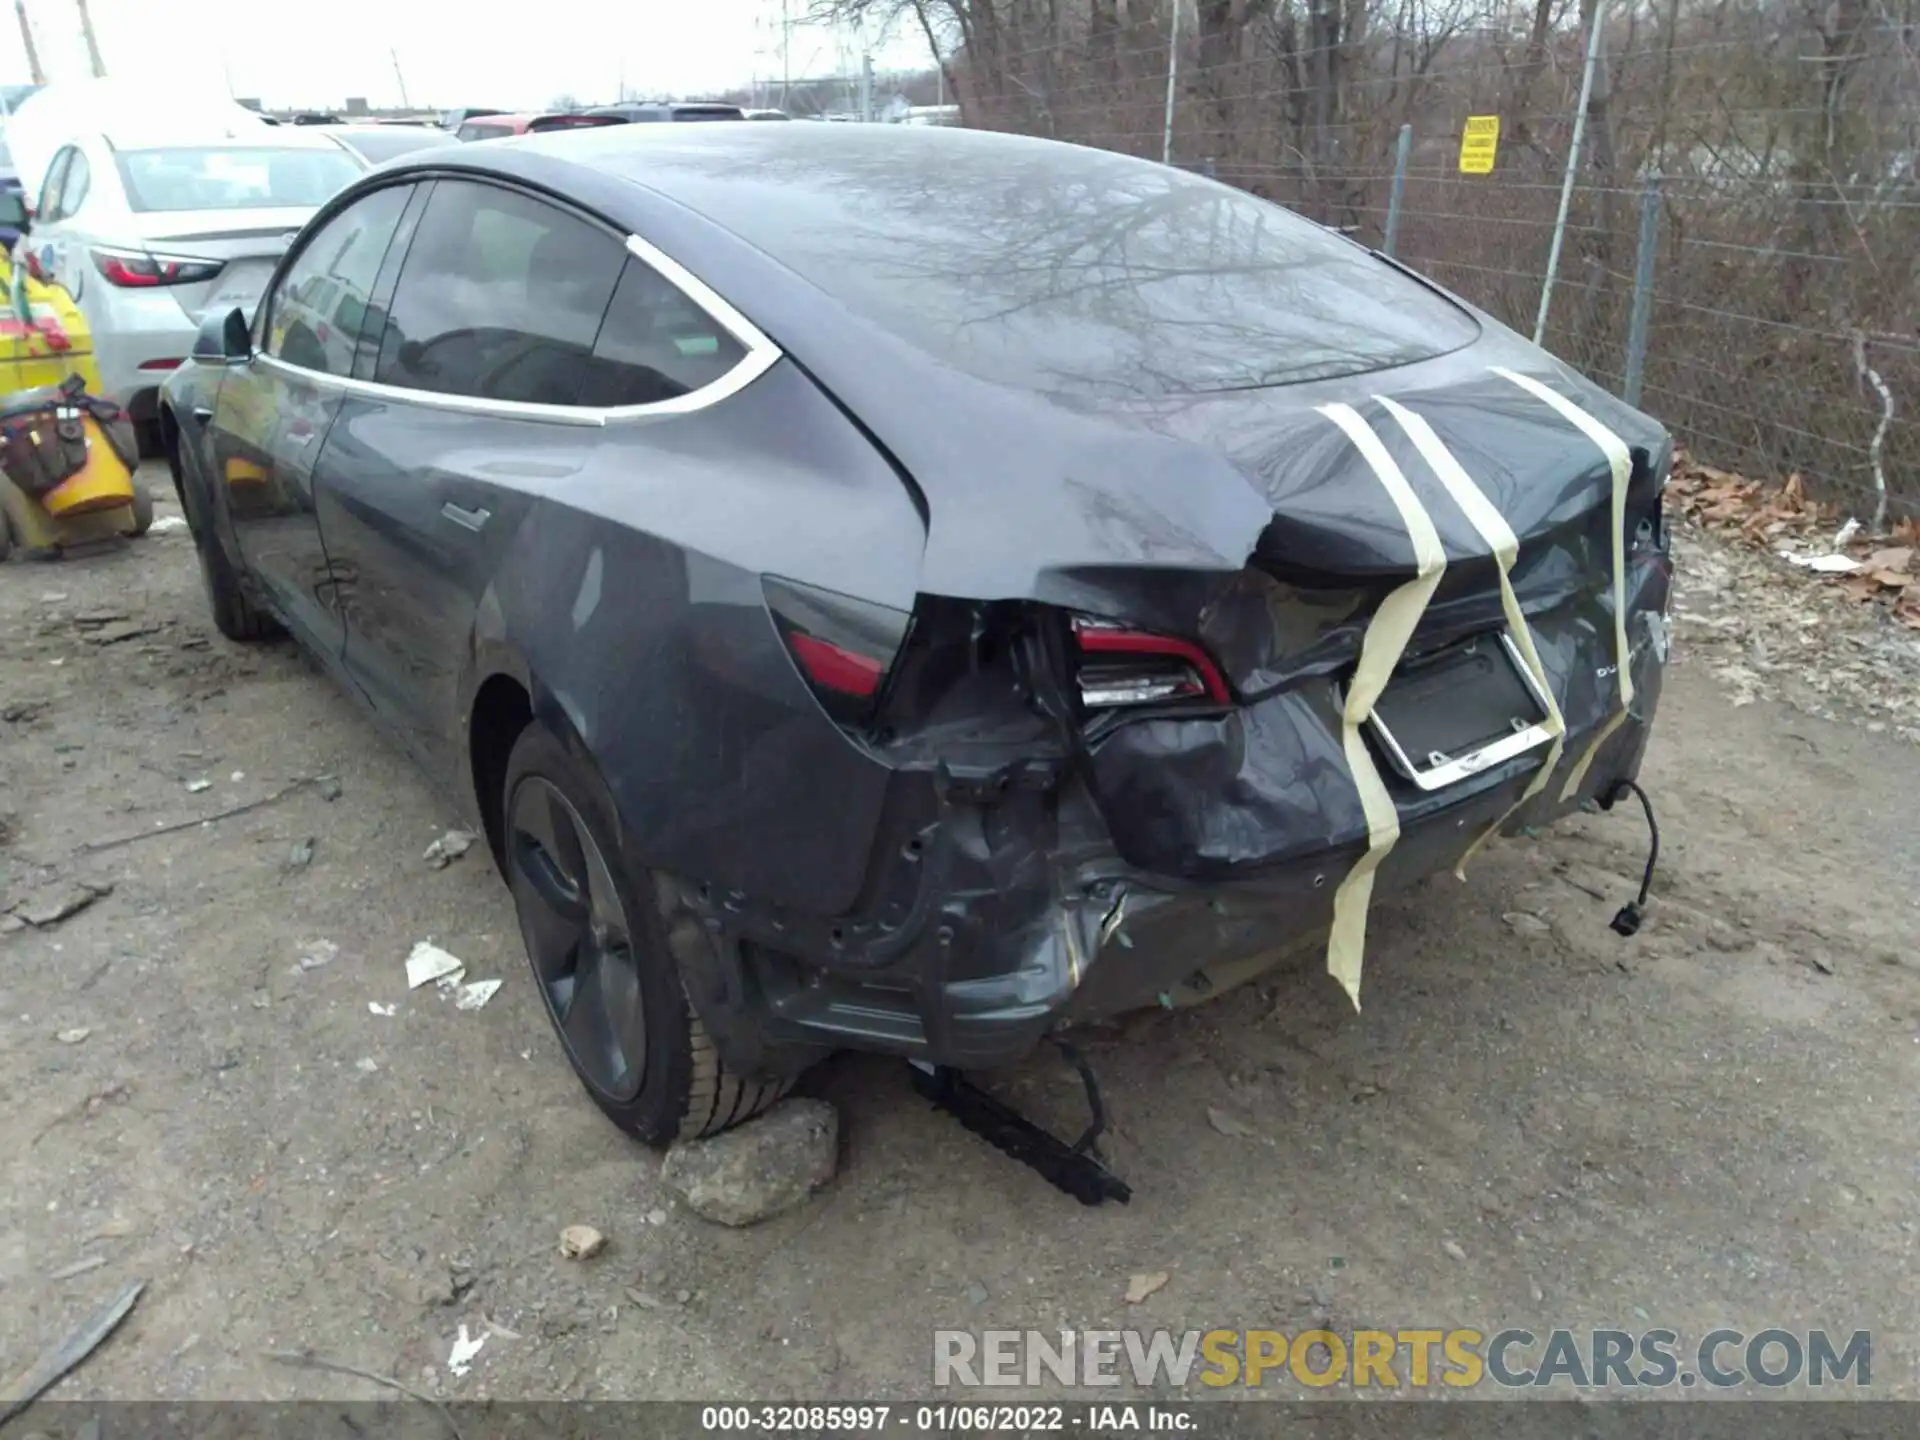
323,305
234,177
500,298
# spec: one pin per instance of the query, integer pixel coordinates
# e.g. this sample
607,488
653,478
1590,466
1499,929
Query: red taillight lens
1120,666
842,647
132,270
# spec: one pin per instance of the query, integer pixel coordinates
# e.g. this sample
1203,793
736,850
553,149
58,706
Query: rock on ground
762,1169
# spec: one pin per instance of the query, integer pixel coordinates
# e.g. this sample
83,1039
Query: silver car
149,239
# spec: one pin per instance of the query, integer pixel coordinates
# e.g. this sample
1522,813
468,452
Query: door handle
473,520
203,414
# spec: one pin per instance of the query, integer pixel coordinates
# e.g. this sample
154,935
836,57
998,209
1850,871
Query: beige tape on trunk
1385,641
1620,460
1493,529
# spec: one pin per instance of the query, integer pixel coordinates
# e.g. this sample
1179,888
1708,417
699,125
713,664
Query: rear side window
656,344
55,182
320,311
73,194
500,298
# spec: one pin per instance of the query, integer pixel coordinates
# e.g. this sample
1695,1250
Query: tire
234,615
142,510
597,942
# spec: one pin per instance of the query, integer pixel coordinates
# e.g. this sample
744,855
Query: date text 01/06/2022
941,1419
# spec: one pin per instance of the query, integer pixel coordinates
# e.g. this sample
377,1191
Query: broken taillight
1118,665
843,647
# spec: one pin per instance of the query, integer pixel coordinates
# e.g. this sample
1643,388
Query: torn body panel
1036,866
1002,903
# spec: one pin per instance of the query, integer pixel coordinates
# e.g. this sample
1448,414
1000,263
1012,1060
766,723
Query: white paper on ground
429,962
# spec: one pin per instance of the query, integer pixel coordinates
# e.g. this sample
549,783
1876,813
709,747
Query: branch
1868,375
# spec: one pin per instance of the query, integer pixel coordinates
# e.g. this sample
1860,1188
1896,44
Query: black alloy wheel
596,934
577,936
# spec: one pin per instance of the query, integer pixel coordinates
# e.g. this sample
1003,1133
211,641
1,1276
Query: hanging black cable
1627,921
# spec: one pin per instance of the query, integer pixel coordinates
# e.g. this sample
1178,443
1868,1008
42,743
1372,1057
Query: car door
427,472
272,414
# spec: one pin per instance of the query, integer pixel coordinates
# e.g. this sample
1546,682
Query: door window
323,304
500,298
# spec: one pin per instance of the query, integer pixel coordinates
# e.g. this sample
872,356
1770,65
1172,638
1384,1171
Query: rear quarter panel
631,598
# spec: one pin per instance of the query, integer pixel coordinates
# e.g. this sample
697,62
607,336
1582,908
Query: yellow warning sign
1478,142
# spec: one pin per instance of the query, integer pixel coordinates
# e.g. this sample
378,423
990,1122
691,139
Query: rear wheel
598,942
234,615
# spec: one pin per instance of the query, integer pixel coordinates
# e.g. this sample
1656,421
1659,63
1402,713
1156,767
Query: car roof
730,172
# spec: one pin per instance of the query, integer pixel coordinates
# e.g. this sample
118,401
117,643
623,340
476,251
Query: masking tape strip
1493,529
1620,461
1385,640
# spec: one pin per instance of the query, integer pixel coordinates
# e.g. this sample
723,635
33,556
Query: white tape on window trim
1492,527
1620,461
1381,646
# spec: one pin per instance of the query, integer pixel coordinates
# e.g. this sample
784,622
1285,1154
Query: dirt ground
1534,1122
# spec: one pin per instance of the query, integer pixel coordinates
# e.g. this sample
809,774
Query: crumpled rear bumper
1005,902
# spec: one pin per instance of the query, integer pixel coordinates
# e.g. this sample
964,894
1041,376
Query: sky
318,52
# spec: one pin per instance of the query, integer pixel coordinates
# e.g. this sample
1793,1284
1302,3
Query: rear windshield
1080,272
709,112
248,177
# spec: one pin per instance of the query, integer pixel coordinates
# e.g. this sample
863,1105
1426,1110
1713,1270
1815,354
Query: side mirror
223,339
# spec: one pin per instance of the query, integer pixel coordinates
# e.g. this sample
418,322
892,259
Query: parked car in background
454,119
149,227
766,115
152,111
499,127
653,113
377,144
1038,627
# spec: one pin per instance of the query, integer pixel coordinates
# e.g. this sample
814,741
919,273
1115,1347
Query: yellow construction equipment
66,456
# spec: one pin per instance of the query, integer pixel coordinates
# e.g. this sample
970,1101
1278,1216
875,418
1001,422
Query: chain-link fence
1746,177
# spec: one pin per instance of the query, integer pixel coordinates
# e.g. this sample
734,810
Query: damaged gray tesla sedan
915,590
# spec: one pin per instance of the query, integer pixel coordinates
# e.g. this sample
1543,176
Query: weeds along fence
1746,179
